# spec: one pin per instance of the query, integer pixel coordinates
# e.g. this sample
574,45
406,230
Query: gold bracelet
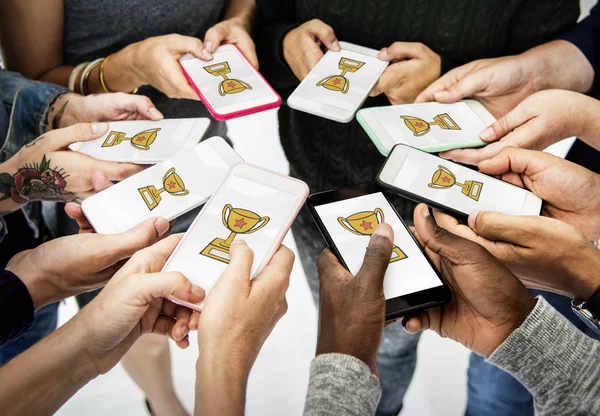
86,74
101,76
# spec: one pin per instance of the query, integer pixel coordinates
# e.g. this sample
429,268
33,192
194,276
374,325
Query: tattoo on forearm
58,116
36,182
31,143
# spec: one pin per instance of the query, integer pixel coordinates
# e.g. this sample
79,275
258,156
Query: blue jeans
492,391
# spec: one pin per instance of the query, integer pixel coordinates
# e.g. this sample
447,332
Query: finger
82,132
150,259
181,328
387,81
521,161
330,270
248,49
214,37
194,321
475,156
168,327
100,182
399,51
520,115
494,226
465,86
417,323
240,265
187,44
140,104
377,258
74,211
117,171
151,286
444,83
277,273
325,34
124,245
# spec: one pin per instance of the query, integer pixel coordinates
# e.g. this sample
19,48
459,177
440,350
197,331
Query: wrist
121,74
61,113
40,288
585,278
520,315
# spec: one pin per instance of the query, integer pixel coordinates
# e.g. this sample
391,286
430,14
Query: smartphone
339,84
145,141
168,189
347,218
431,127
443,184
253,204
229,85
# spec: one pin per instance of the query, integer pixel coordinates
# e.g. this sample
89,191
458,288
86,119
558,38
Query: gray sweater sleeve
557,363
341,385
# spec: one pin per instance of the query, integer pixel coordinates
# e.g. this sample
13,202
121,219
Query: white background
409,275
279,378
462,115
240,70
240,193
418,170
169,139
360,80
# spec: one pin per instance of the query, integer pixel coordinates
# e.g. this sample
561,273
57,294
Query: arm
555,361
16,303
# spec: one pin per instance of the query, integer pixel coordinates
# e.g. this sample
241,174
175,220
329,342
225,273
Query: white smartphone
339,84
145,141
431,127
253,204
229,85
168,189
446,185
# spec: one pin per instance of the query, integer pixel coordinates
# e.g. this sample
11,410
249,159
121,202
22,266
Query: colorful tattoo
37,182
58,116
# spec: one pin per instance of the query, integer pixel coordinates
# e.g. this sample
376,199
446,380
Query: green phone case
435,148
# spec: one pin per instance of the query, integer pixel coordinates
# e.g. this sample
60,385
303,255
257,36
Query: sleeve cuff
341,384
16,305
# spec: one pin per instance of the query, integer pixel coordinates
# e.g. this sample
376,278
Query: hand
544,253
238,316
70,265
570,192
302,46
413,67
155,61
488,301
352,308
132,304
73,210
70,109
232,31
46,170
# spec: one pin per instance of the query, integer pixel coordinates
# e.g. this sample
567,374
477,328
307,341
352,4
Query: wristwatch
589,310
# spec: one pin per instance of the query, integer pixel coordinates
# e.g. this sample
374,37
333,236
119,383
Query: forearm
220,386
43,378
243,11
555,361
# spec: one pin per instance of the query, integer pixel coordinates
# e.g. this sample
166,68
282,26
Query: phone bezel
392,165
404,305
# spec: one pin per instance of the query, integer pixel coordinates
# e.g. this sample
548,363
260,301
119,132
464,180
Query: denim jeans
492,391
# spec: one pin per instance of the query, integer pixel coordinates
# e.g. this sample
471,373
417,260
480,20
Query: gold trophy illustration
363,223
340,82
237,221
444,179
141,141
228,85
420,127
172,183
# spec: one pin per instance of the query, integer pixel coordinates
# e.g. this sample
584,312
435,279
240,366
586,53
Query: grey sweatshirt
557,363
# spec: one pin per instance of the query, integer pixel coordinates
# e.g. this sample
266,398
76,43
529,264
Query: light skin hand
302,47
352,308
413,66
87,261
488,301
544,253
238,316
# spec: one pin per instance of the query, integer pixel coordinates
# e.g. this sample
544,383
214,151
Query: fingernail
198,291
208,46
155,113
161,225
207,54
425,211
98,128
406,329
238,242
383,55
383,230
440,95
444,155
487,134
473,219
184,331
335,45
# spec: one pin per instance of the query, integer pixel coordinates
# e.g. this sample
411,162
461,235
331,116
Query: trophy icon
420,127
141,141
227,86
444,179
363,223
172,183
339,82
237,221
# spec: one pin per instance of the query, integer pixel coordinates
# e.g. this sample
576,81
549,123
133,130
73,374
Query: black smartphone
347,217
448,186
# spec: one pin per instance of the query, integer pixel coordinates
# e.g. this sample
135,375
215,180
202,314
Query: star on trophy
339,82
420,127
227,86
444,179
237,221
363,223
141,141
172,183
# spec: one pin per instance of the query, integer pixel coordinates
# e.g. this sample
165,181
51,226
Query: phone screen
341,79
457,187
241,209
350,222
228,82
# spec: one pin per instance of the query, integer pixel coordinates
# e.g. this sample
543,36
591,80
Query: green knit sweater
329,155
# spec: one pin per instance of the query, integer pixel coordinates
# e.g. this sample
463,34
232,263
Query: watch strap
593,303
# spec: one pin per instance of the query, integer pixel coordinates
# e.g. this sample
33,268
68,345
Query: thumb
501,127
214,37
494,226
82,132
150,286
377,257
240,265
189,44
125,245
416,323
100,182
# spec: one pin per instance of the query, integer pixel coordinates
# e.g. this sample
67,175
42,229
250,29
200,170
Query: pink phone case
235,114
270,255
